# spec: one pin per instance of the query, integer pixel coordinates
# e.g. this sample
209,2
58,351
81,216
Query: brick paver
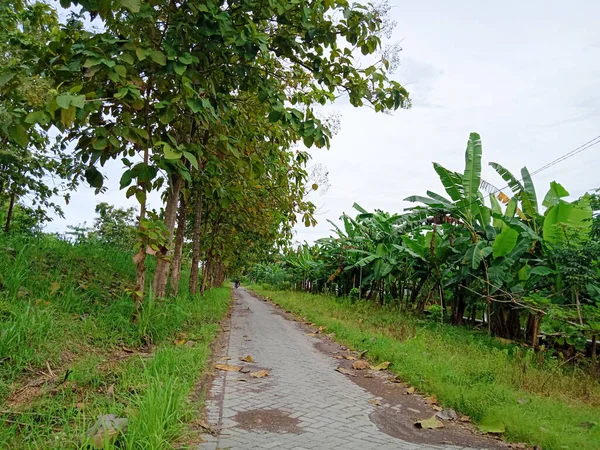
331,411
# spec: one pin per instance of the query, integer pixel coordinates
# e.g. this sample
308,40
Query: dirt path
304,403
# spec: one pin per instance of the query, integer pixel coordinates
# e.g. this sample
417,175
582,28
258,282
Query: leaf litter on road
345,371
247,359
381,366
360,365
429,424
259,374
228,368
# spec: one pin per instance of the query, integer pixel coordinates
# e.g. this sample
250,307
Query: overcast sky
523,74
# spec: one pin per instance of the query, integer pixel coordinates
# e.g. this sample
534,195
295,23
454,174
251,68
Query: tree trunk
594,347
139,258
534,331
159,285
11,206
196,244
178,253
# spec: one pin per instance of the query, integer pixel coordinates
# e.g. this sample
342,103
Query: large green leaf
556,192
472,175
448,181
556,219
496,210
19,134
514,185
505,241
427,201
476,253
528,196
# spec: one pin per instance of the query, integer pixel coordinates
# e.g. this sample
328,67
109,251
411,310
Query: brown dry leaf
80,405
259,374
321,329
311,334
394,379
375,402
127,350
367,375
432,400
331,335
228,368
360,365
225,358
362,354
465,419
345,371
247,359
381,366
437,407
349,357
338,357
179,341
410,390
111,390
429,424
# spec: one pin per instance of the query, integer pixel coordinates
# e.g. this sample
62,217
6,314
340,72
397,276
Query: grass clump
540,400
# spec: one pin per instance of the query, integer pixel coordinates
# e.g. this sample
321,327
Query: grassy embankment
69,351
539,399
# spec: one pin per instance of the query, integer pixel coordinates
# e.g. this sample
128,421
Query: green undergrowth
538,399
63,307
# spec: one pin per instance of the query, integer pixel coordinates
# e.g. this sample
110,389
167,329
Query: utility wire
558,160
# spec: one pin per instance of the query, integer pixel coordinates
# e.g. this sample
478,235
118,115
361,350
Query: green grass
64,306
539,400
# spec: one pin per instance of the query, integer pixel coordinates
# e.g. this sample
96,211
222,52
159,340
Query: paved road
302,404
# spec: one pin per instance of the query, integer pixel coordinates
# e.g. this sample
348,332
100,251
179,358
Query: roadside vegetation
523,273
71,353
529,396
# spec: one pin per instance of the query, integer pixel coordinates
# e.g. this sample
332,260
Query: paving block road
303,403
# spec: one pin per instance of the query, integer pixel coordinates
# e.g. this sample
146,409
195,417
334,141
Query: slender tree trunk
594,347
11,205
178,253
196,244
139,258
159,285
534,331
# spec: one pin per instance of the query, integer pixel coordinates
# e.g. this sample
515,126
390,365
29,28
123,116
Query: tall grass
539,399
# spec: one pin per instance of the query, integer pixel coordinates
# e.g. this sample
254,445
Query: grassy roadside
539,400
70,352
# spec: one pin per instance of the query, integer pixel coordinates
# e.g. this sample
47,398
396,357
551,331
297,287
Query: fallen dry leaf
321,329
311,334
228,368
360,365
345,371
429,424
247,359
432,400
179,341
465,419
225,358
362,354
259,374
127,350
410,390
349,357
375,402
437,407
381,366
338,357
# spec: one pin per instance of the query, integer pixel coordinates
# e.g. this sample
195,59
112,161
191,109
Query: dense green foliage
503,260
537,399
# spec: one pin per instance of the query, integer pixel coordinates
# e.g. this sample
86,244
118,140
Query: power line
558,160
